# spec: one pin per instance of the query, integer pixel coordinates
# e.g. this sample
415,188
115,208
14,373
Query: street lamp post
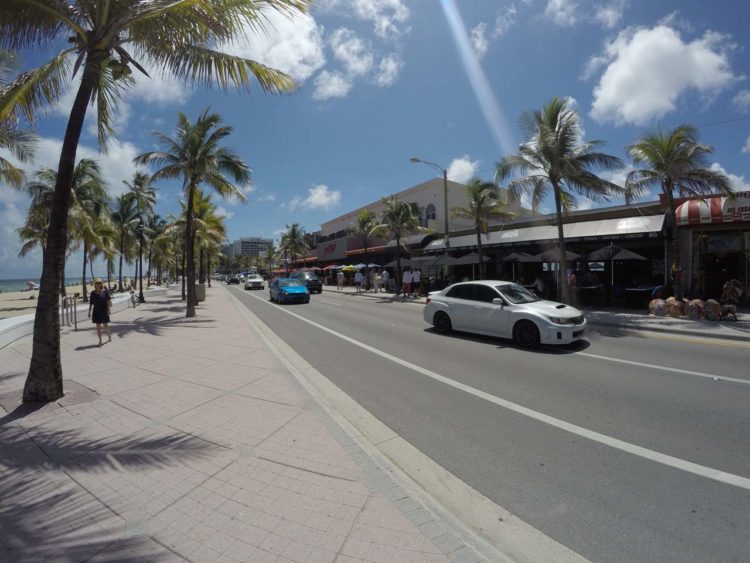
446,240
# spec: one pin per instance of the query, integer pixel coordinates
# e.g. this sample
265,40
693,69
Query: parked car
254,281
505,309
288,290
233,278
312,281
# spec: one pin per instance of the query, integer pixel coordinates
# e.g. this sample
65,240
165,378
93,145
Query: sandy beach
14,303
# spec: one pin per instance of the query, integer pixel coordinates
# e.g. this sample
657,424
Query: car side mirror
498,301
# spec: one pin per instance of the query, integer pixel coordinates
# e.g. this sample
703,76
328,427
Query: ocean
20,284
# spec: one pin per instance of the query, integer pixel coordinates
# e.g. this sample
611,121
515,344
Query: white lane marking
329,302
665,368
651,455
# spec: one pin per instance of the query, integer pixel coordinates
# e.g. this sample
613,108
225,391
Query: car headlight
559,320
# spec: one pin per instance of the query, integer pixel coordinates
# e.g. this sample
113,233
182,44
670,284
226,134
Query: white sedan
254,281
505,309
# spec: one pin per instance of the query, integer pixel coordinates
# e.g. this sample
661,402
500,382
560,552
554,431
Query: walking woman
101,303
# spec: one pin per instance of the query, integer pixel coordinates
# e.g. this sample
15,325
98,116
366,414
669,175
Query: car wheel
442,322
526,334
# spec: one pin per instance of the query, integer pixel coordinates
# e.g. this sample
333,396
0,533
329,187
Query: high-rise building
249,246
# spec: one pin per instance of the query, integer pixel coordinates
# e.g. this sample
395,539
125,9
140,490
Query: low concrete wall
13,328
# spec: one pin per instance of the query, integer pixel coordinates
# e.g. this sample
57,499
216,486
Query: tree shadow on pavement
502,343
55,505
156,325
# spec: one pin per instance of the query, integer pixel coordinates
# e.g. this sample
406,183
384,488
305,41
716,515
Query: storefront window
718,256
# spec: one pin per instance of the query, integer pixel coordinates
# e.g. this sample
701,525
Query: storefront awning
713,210
627,227
411,240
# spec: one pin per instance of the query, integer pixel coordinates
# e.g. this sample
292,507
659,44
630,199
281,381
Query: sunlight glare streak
493,113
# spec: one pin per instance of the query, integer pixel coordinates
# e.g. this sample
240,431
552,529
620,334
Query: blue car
288,290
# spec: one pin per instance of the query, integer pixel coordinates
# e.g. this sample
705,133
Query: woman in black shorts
101,303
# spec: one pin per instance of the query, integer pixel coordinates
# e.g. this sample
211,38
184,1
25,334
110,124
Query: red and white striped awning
713,210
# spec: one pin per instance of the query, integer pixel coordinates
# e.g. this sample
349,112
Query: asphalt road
656,467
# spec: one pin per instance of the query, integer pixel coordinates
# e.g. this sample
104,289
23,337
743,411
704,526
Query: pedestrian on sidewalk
377,279
340,280
386,275
358,281
416,281
406,280
101,302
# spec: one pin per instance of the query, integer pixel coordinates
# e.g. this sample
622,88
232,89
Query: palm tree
155,227
293,242
209,231
196,156
399,220
363,227
125,219
555,157
99,38
105,245
485,205
20,143
270,256
144,195
674,162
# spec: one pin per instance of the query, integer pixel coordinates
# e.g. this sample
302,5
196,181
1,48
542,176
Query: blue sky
444,80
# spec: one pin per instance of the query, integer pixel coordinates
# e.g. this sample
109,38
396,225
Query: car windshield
307,276
255,278
516,294
289,283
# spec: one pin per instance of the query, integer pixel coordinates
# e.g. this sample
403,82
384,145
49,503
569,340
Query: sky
443,80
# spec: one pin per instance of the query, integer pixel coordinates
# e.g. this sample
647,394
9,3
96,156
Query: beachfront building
333,243
247,246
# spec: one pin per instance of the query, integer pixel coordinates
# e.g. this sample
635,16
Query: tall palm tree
100,39
144,195
555,157
20,143
399,219
485,205
210,232
363,226
105,246
125,219
155,227
677,164
270,256
293,242
197,157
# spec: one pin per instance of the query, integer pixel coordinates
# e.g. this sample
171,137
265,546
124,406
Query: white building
333,242
248,246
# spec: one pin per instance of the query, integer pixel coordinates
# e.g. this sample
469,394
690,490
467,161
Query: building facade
248,246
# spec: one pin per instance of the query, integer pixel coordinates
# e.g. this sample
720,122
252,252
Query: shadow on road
502,343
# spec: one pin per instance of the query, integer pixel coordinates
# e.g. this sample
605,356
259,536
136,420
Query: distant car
254,281
288,290
233,279
312,281
505,309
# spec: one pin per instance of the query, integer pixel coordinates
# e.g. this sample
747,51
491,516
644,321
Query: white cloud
351,51
505,20
462,169
222,211
388,70
648,70
331,85
479,39
389,17
293,45
739,184
746,148
609,15
267,198
318,197
562,12
742,100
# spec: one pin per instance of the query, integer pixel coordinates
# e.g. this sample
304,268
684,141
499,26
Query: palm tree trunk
141,299
91,268
208,266
148,271
44,381
563,273
190,250
482,272
398,265
83,276
122,251
182,274
201,266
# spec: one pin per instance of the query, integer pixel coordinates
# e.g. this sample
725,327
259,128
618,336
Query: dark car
313,283
233,279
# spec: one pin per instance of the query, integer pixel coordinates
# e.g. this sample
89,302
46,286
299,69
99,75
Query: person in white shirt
386,275
406,280
358,281
416,279
340,279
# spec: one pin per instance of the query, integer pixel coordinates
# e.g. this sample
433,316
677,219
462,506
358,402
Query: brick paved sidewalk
185,439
